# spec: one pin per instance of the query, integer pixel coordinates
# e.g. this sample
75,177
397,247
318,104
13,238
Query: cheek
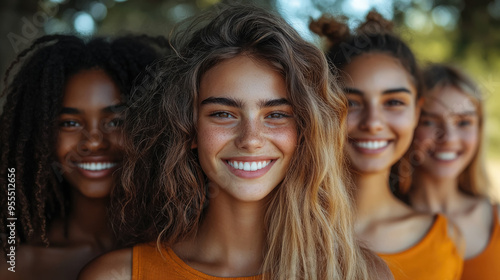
403,123
116,140
352,121
285,139
211,139
424,136
66,146
471,139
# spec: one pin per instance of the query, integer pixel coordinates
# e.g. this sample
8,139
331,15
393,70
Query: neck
373,196
435,195
88,221
233,233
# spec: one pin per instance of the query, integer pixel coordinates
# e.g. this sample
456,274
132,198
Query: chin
95,191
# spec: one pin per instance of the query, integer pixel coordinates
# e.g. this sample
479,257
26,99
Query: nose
250,135
371,120
447,134
94,139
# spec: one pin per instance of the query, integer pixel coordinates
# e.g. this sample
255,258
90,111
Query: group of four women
237,150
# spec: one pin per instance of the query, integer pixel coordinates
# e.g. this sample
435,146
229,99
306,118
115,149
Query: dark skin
88,132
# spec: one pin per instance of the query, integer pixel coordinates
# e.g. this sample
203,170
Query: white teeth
371,145
246,166
446,155
249,166
96,166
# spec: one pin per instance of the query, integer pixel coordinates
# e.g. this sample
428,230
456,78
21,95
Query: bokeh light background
462,32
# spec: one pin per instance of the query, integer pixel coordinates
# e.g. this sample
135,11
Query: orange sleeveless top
148,262
486,266
434,257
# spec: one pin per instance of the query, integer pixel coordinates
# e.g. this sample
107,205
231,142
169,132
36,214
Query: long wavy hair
374,35
310,217
474,179
35,84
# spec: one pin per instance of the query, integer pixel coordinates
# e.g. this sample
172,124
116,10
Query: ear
194,144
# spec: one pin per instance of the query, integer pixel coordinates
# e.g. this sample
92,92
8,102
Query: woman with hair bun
61,143
450,176
241,173
383,86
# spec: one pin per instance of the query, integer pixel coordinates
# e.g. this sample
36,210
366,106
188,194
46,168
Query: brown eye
463,123
222,115
427,123
394,102
69,124
278,116
115,122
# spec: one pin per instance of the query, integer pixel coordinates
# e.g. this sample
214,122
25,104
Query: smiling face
246,128
448,132
382,111
88,144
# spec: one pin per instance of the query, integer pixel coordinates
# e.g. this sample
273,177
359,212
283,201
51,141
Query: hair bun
335,30
375,23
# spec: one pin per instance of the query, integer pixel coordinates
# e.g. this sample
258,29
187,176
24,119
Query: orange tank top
434,257
486,266
150,263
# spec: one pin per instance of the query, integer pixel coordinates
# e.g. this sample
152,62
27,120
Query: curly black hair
33,101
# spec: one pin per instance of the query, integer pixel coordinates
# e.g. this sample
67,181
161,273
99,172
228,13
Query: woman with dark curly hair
61,142
235,167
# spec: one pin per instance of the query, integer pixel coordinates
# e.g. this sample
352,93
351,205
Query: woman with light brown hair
235,168
449,175
382,83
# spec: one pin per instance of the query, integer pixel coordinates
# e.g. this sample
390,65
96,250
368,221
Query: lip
249,174
370,151
97,174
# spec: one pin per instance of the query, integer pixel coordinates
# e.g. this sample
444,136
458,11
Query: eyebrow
467,113
388,91
274,102
227,101
117,108
70,111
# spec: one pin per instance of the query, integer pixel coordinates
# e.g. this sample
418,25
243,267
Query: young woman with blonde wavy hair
383,86
235,167
450,176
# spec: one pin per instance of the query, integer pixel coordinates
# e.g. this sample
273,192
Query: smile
97,166
248,166
371,145
446,156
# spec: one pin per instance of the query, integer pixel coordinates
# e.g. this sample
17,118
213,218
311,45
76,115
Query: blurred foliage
462,32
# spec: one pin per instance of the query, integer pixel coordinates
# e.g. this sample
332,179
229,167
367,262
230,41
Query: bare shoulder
377,265
456,237
115,265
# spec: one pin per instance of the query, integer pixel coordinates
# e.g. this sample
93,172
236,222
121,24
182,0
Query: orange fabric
148,263
434,257
486,266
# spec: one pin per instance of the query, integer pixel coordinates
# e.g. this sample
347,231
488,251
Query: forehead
448,100
377,72
244,78
89,89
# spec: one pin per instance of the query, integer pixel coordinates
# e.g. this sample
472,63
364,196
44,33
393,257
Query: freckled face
246,128
88,146
447,136
382,111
